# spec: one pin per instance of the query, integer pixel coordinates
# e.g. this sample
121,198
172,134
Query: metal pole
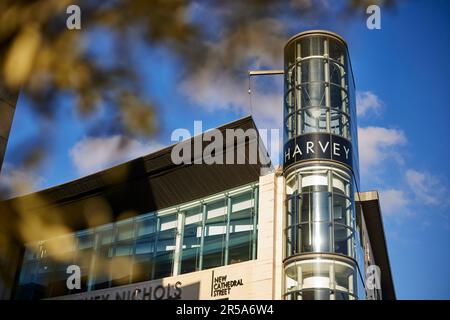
227,236
264,72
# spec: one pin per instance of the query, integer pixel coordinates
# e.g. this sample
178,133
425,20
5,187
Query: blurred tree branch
44,59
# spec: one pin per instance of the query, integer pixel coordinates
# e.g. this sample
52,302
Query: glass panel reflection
143,248
165,246
320,217
320,279
215,234
318,83
192,240
241,228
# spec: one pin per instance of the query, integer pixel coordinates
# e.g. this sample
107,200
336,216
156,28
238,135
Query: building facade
8,101
149,229
320,168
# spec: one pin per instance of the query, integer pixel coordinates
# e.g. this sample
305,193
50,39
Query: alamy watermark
373,282
74,279
73,21
216,146
374,19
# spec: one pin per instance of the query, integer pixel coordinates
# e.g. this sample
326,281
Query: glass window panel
142,269
321,236
335,75
337,50
308,280
137,249
313,119
317,210
312,70
312,46
316,294
191,240
342,239
315,206
337,96
102,268
290,54
85,240
339,124
124,249
58,285
83,257
143,262
344,280
28,271
241,228
215,234
60,256
320,280
146,225
104,255
165,246
125,230
42,279
28,287
315,181
242,202
121,263
341,207
106,234
121,267
291,223
313,95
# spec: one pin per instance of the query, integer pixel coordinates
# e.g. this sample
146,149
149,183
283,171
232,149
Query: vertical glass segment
320,214
318,83
241,228
165,246
144,249
84,256
215,234
123,252
320,279
104,255
31,284
59,257
192,238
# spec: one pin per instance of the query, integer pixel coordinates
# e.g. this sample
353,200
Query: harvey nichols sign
317,146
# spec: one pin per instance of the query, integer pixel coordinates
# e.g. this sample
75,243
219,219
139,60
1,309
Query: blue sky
401,74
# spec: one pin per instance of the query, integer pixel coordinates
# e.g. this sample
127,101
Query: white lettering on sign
311,148
336,149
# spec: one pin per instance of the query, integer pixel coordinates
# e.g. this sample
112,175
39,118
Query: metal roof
370,205
139,186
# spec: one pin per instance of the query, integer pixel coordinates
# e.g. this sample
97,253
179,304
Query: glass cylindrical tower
320,168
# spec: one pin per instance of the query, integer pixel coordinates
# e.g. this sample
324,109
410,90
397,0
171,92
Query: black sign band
317,146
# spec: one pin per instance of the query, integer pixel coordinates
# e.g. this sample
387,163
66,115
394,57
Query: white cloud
222,82
393,202
367,101
93,154
421,188
377,144
17,181
427,188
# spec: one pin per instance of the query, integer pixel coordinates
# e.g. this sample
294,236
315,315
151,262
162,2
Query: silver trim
313,32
